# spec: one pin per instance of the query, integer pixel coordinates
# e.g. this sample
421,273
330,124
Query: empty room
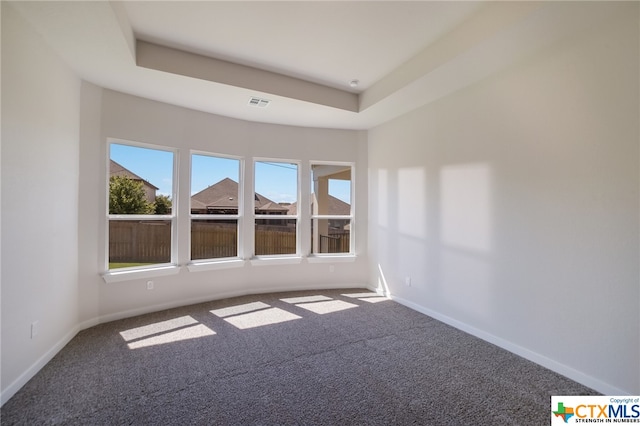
370,212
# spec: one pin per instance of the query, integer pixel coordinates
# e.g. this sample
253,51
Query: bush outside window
140,212
142,217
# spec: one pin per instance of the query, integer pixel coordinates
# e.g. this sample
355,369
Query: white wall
108,114
54,135
513,207
40,105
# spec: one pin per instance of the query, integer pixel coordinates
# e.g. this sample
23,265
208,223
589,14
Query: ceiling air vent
259,102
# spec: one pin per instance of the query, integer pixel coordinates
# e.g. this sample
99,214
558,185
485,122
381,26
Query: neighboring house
222,198
116,169
335,206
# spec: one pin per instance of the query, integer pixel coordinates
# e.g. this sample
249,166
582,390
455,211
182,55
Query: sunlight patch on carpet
157,327
252,315
326,307
193,332
158,333
367,297
305,299
240,309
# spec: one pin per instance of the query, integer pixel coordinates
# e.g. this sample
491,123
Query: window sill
332,258
212,265
264,261
137,274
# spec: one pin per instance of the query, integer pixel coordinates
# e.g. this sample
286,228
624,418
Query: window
331,208
143,223
140,213
275,208
216,206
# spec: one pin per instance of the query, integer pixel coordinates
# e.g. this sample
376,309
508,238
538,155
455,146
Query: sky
274,180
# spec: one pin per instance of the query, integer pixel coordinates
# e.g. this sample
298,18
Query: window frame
151,270
297,217
239,217
350,217
181,219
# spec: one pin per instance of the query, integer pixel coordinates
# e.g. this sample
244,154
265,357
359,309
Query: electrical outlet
149,285
331,268
407,281
35,328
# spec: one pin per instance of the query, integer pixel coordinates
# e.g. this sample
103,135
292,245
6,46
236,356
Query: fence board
140,242
334,243
213,240
269,242
150,242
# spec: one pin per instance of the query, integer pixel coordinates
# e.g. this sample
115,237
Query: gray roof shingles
116,169
224,194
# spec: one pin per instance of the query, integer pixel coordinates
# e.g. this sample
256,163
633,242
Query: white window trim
246,220
213,264
148,271
332,257
221,262
281,259
272,259
314,257
139,273
140,217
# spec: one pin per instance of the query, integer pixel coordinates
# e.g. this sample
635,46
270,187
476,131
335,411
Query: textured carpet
330,357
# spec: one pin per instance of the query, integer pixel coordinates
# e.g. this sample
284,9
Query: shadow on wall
466,271
435,235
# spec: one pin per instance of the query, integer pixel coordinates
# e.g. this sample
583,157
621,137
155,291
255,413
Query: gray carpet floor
329,357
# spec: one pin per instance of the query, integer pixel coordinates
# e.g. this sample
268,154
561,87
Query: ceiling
213,56
329,43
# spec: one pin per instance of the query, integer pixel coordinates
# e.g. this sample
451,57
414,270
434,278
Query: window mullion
215,207
137,238
275,231
140,217
332,216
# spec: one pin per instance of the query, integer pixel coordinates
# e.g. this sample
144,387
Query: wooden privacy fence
338,243
139,242
269,241
150,241
213,240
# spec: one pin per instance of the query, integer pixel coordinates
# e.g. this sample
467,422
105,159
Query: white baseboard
36,366
217,296
43,360
569,372
539,359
